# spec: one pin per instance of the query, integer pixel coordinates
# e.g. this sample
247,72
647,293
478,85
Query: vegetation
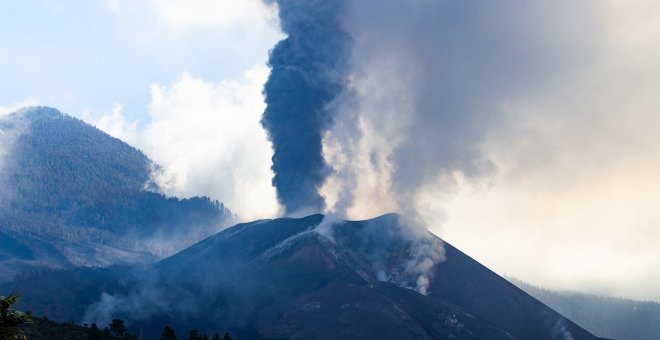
195,335
67,294
69,181
44,329
608,317
168,334
19,325
117,327
10,318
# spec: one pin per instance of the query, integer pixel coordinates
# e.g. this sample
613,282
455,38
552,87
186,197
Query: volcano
283,279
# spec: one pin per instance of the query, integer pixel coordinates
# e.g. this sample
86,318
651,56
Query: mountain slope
615,318
283,279
73,195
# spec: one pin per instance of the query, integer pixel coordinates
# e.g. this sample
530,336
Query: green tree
168,334
194,335
94,333
10,318
106,334
129,336
117,327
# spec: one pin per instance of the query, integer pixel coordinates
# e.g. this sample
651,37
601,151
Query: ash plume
429,81
373,105
370,102
308,72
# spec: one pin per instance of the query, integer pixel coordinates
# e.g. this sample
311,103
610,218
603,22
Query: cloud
11,128
115,124
248,15
75,58
8,109
209,141
113,5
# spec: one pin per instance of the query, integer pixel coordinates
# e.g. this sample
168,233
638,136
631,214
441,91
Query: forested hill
608,317
69,186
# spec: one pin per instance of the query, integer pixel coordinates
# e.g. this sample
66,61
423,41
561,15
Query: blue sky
90,55
571,203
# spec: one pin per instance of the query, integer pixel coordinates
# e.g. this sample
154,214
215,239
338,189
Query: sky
542,162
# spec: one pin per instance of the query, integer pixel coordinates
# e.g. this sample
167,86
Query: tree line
16,325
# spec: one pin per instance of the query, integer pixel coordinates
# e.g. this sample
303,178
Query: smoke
309,70
144,300
428,86
397,248
364,115
424,252
12,126
372,104
560,331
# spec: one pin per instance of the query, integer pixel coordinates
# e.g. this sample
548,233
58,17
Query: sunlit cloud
208,139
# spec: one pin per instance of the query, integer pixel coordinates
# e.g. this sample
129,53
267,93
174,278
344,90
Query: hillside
281,278
620,319
73,195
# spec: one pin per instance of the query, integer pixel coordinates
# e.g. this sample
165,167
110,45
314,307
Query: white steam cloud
251,16
208,140
11,127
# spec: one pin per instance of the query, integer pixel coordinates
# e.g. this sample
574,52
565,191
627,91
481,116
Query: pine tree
94,332
194,335
168,334
117,327
106,334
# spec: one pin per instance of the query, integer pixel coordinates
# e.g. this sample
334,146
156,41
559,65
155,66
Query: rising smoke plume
309,70
371,103
430,79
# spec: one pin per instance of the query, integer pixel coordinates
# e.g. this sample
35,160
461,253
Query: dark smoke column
308,72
